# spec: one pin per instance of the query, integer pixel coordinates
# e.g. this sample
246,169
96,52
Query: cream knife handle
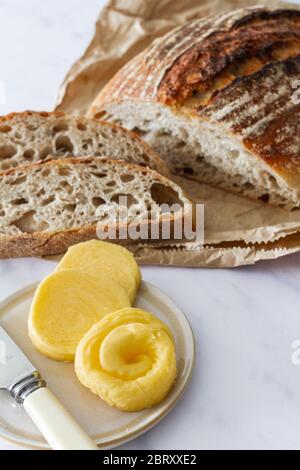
58,427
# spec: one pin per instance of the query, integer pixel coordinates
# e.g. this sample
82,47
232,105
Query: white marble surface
245,390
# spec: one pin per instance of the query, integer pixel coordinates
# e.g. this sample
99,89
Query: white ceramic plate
108,426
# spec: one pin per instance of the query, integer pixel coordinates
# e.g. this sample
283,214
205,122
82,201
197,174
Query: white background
245,390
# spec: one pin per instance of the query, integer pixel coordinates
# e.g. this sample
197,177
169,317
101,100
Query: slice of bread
29,137
47,207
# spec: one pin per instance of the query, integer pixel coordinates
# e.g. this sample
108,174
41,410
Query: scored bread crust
233,75
51,242
31,136
190,56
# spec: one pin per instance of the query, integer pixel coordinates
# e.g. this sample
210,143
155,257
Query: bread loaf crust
238,72
190,56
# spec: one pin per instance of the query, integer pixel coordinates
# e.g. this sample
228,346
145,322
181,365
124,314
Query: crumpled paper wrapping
237,231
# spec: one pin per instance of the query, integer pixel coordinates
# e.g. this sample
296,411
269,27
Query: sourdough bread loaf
47,207
217,98
29,137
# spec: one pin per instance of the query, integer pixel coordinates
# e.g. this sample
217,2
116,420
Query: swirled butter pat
66,304
128,359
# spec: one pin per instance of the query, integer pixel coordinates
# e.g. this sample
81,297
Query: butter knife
23,382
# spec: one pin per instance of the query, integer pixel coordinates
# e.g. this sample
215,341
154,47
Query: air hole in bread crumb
19,180
129,201
5,128
98,201
164,195
47,201
46,171
70,207
99,115
65,186
99,175
7,151
139,132
63,144
188,171
81,126
31,127
265,197
111,184
126,177
60,126
45,152
41,192
181,144
19,201
87,143
28,154
63,171
2,213
28,224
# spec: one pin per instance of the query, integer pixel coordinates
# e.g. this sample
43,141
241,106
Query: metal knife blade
21,379
14,365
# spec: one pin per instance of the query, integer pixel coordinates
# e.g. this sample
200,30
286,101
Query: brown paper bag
237,231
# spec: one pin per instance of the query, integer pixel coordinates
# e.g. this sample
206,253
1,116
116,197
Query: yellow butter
128,359
65,306
97,257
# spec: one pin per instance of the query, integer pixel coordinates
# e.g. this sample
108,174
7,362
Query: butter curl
128,359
